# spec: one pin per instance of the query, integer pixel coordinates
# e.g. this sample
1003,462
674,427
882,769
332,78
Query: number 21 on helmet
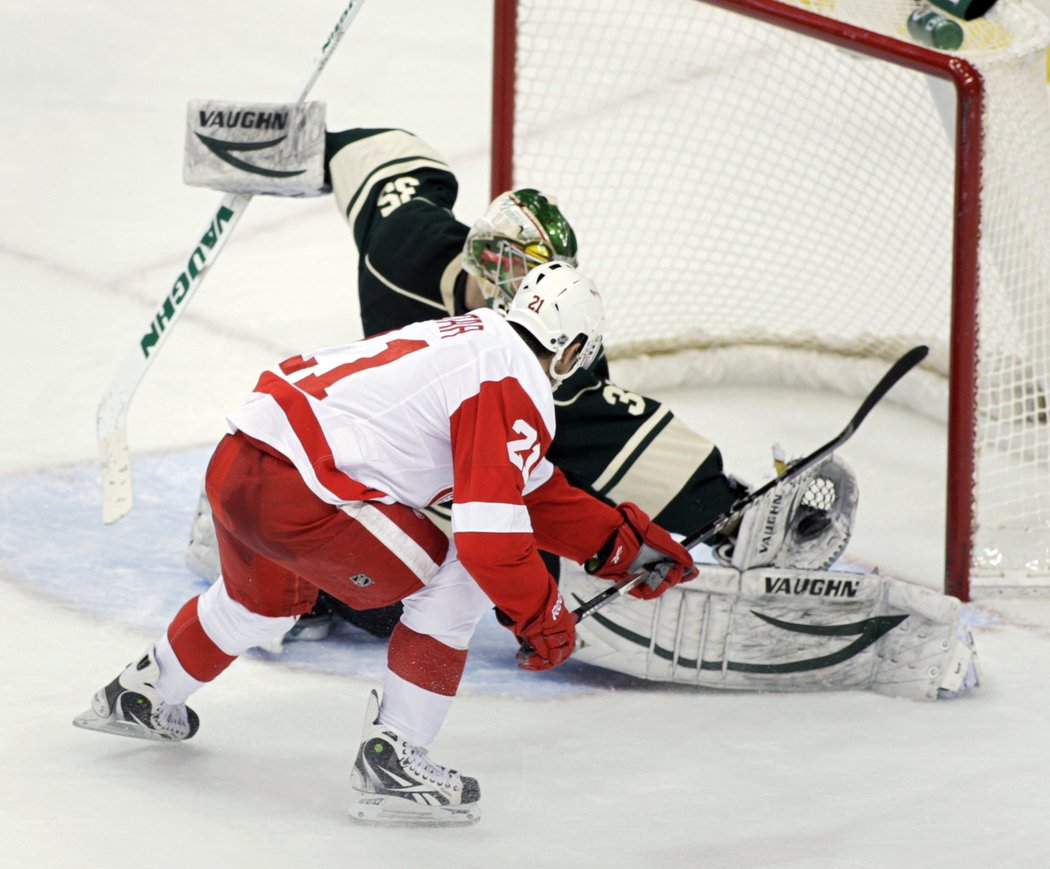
557,305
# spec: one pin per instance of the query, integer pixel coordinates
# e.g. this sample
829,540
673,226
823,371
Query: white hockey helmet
557,305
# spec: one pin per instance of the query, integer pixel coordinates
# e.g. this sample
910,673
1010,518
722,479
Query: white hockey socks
413,713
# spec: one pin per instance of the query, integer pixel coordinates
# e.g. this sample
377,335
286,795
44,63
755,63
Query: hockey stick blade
112,415
901,367
111,419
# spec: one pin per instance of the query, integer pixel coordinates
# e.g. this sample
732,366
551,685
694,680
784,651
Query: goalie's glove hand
548,638
641,544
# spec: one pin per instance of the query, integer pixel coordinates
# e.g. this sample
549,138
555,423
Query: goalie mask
557,305
521,229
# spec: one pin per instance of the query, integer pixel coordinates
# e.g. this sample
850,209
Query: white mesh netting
759,205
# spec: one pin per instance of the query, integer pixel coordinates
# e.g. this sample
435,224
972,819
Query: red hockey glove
549,637
639,542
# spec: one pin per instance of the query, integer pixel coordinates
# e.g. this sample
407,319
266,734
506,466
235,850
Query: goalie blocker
778,629
255,148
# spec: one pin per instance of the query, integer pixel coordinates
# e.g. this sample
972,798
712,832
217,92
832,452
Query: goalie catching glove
805,521
641,544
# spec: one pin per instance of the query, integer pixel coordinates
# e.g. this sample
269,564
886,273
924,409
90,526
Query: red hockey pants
279,543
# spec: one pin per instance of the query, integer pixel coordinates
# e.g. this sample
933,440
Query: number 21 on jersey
317,384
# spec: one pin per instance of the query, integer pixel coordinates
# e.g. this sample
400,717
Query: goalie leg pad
202,553
784,630
804,522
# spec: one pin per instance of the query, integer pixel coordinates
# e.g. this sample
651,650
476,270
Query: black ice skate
395,783
131,706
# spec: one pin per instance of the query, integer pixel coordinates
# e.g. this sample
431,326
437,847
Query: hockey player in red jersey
321,484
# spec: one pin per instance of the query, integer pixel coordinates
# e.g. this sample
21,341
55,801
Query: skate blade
309,632
90,721
387,811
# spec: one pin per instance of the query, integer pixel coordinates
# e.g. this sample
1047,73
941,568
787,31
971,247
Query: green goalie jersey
397,195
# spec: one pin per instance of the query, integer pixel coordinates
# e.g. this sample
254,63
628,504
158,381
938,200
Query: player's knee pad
449,607
232,626
805,522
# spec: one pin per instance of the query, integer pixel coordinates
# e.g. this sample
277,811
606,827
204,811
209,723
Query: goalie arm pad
397,194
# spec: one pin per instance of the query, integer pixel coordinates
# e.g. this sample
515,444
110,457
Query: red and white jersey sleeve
499,436
454,408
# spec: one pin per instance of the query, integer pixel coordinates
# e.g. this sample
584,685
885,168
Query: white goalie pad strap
255,148
202,552
781,630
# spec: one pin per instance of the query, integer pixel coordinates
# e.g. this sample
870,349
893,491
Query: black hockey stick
617,590
901,367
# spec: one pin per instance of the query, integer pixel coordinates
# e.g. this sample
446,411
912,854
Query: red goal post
641,109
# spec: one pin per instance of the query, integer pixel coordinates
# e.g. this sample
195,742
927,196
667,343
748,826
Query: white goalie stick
111,422
901,367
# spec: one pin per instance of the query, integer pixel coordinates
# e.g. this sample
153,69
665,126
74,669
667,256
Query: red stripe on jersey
498,436
442,496
297,363
317,384
307,429
425,662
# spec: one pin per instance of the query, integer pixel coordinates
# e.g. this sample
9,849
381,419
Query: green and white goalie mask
520,230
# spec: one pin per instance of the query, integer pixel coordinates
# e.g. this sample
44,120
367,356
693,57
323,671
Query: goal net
798,192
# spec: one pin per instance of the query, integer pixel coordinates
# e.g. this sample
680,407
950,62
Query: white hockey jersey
457,408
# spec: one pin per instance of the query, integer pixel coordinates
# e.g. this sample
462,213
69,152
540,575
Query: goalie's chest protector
410,415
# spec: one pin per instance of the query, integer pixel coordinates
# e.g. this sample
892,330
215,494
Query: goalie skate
131,706
963,672
395,783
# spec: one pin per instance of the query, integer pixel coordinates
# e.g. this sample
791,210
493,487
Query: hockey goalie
774,608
